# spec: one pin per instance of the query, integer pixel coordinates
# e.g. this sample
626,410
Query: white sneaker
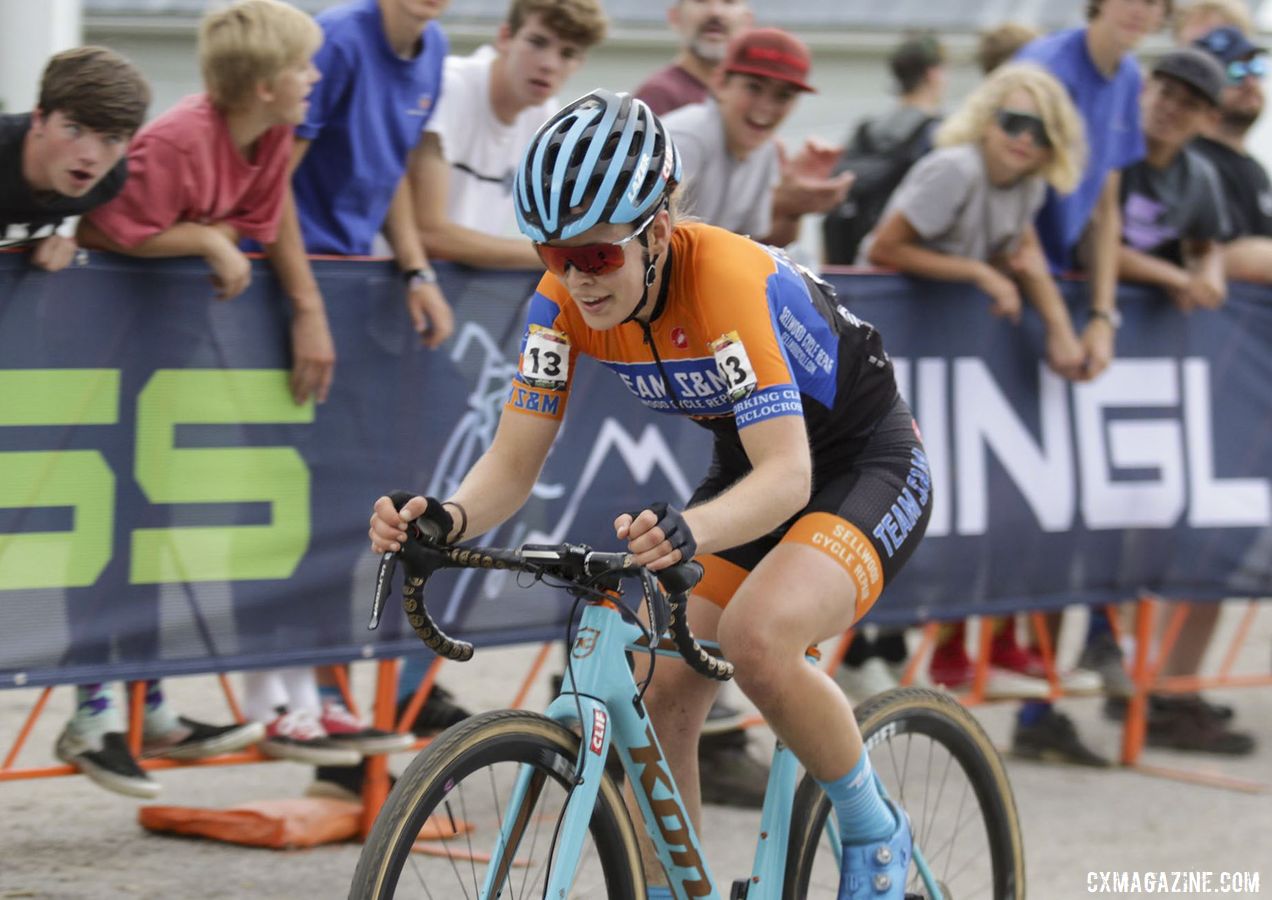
1081,681
860,683
1004,683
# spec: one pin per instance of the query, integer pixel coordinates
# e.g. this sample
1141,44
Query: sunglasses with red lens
590,259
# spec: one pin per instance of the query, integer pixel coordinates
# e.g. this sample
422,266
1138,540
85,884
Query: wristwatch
419,276
1112,316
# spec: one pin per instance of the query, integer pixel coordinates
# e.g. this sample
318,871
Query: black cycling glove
435,524
674,528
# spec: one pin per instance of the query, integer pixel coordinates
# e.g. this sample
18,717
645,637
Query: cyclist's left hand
657,537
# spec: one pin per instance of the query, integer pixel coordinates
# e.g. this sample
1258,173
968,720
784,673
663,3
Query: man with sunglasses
1247,190
1172,212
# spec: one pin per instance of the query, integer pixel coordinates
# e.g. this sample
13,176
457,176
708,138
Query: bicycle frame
601,686
601,699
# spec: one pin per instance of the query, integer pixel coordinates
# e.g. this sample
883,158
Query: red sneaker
950,665
347,730
1005,653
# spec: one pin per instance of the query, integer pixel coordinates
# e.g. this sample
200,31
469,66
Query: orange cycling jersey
739,334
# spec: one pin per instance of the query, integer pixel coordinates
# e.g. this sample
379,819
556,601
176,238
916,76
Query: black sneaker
439,712
729,775
107,762
342,782
1187,723
1054,739
197,740
1115,707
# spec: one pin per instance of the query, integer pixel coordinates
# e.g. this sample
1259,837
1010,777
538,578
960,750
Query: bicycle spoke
936,804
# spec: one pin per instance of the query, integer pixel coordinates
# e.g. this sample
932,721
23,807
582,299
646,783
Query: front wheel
475,815
937,763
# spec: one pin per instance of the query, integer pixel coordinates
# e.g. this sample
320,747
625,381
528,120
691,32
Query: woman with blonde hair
965,212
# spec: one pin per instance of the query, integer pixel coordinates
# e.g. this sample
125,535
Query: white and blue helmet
605,158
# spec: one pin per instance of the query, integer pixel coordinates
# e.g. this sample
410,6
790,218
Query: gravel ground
66,838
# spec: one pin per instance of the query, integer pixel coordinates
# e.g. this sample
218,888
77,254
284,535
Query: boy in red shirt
211,171
214,169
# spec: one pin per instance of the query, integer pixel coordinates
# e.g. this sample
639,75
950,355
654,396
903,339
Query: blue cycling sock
413,672
330,693
1032,712
160,718
657,892
858,801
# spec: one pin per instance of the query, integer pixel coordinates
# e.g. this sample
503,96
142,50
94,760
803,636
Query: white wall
30,32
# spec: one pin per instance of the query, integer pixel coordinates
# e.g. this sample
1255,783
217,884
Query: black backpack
879,169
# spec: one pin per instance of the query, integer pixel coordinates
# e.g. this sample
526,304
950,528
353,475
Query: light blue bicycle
515,804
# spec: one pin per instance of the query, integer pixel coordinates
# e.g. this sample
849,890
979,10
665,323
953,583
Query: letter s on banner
80,479
274,475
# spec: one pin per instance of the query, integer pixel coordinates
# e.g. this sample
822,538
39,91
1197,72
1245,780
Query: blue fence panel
166,508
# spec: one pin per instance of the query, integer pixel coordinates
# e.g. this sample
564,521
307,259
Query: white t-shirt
482,151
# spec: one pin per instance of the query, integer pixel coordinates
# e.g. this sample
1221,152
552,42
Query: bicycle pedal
739,889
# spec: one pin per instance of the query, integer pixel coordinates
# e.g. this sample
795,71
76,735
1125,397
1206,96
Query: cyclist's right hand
388,525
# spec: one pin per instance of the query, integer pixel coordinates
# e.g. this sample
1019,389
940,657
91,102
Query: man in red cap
736,173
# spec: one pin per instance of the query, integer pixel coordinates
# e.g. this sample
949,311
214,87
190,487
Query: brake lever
659,606
383,584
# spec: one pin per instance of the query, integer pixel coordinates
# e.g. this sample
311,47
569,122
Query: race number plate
545,362
734,365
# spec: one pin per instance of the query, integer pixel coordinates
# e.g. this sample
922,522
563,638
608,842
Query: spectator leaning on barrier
1097,67
1172,209
494,102
381,63
1199,18
705,27
211,171
66,156
1247,190
881,148
736,173
965,211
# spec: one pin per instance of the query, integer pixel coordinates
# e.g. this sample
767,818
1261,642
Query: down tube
666,820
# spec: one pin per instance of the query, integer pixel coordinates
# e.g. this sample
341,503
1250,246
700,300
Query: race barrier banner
165,507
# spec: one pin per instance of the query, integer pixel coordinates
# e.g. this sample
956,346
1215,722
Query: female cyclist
818,490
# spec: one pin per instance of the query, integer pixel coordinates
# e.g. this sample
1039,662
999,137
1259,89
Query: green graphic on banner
79,479
169,475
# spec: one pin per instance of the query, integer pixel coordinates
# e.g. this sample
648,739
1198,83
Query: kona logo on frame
670,818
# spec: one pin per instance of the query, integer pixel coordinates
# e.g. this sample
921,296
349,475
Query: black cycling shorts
867,512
